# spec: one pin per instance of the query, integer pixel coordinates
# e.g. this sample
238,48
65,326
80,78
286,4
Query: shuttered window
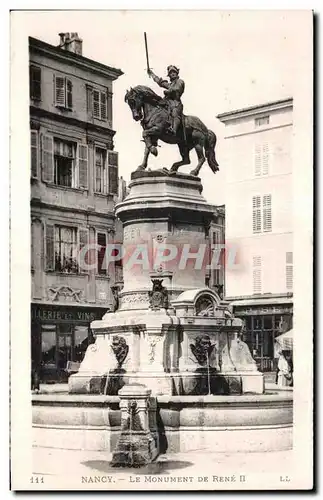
102,243
113,172
47,158
256,214
82,166
99,107
50,242
256,274
35,83
64,163
34,153
289,270
63,91
266,204
101,178
261,159
84,256
262,213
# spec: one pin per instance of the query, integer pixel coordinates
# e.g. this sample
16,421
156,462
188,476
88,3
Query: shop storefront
59,335
263,323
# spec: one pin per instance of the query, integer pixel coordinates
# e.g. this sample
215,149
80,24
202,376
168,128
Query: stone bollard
137,445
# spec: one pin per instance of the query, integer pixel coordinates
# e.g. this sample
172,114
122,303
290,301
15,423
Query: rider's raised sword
147,56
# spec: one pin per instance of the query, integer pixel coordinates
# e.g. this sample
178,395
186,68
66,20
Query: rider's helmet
172,68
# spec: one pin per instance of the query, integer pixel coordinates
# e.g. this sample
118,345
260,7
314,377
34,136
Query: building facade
259,211
74,188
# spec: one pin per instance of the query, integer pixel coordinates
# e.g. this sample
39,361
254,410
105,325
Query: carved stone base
158,383
200,383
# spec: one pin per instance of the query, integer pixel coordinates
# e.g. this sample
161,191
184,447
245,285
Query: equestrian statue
162,119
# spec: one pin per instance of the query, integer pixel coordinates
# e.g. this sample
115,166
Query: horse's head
135,101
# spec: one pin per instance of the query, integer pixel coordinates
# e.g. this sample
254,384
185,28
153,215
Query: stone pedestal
169,332
138,442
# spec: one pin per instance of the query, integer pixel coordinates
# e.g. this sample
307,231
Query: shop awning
285,340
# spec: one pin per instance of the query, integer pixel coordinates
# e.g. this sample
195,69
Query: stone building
74,188
215,276
259,213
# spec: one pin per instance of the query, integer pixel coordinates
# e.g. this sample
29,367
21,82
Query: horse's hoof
172,172
193,172
140,168
154,150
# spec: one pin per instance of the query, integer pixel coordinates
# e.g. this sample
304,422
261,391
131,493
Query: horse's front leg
150,137
144,163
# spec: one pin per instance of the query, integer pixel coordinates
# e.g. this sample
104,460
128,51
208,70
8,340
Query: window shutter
35,82
256,215
69,94
257,160
96,103
34,153
47,158
256,274
267,219
113,172
103,106
83,165
109,107
265,159
289,270
50,264
60,91
83,241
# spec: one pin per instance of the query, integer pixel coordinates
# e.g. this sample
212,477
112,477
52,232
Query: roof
76,59
256,109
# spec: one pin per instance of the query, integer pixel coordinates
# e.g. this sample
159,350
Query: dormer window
260,122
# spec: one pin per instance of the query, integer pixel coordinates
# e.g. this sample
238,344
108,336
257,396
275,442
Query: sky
228,60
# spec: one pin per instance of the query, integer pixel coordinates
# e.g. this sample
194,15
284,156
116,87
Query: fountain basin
237,423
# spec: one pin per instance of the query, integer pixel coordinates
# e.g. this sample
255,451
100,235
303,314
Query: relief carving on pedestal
202,349
152,341
158,296
120,349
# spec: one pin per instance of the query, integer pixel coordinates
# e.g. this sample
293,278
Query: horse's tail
209,145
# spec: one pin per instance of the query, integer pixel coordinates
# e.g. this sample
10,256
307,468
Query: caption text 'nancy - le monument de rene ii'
168,369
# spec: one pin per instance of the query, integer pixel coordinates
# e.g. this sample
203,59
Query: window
261,157
101,180
102,242
34,153
289,270
66,249
99,104
264,120
261,213
257,285
35,83
63,90
64,246
64,163
106,171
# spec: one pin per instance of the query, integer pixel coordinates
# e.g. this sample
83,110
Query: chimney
71,42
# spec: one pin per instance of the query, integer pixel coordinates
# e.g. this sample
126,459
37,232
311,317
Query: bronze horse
151,109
